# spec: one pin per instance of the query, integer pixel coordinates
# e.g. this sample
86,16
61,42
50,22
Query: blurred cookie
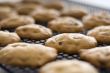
8,38
97,19
99,56
37,32
32,1
8,4
16,21
57,4
101,33
71,42
68,66
45,15
6,12
66,24
74,12
27,8
26,55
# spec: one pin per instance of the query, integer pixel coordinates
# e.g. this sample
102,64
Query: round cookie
6,12
71,42
8,4
26,55
45,15
32,1
66,24
57,4
37,32
68,66
74,12
16,21
101,33
26,8
97,19
8,38
99,56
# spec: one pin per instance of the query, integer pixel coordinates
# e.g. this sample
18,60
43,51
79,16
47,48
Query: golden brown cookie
6,12
45,15
57,4
68,66
97,19
8,38
101,33
66,24
99,56
32,1
27,8
8,4
71,42
34,31
76,12
16,21
26,55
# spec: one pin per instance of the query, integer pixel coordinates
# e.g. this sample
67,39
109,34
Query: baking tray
61,56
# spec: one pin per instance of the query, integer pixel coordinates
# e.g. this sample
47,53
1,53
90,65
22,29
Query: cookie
6,12
45,15
32,1
26,55
74,12
99,56
16,21
71,42
8,4
68,66
97,19
66,24
8,38
36,32
101,33
27,8
57,4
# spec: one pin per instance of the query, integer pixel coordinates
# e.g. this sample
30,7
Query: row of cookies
39,32
66,24
41,13
62,25
55,21
27,8
34,55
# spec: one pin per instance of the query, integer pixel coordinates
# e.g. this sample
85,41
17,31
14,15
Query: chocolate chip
60,43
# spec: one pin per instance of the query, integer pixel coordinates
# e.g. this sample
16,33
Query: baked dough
57,4
8,38
33,31
101,33
16,21
99,56
8,4
32,1
26,55
6,12
71,42
66,24
45,15
27,8
68,66
76,12
97,19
